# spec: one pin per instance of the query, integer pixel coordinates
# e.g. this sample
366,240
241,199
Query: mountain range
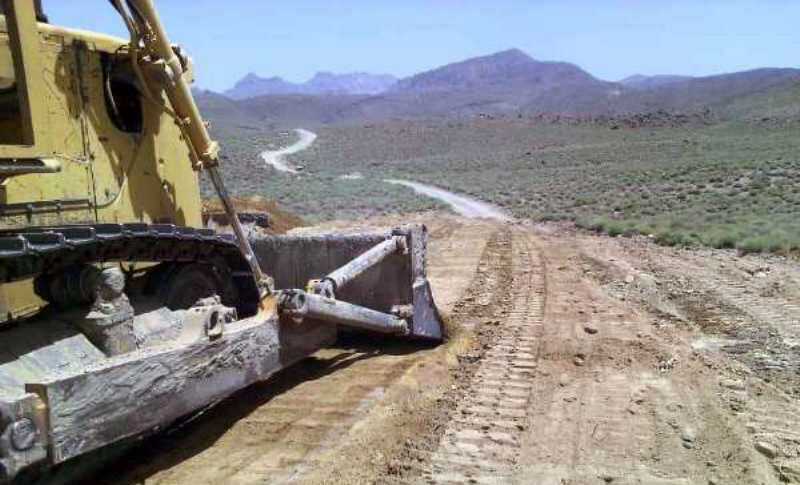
323,83
507,82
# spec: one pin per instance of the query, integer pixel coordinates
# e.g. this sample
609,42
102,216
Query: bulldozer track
50,249
740,314
44,251
481,441
772,336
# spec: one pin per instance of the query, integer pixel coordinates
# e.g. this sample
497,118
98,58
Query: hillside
221,110
777,104
713,91
639,81
295,109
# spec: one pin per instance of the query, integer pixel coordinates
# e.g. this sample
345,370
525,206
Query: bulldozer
119,312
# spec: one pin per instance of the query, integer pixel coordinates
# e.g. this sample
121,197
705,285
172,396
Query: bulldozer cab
33,130
79,144
35,137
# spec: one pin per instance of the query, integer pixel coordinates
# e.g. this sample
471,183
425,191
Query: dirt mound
279,220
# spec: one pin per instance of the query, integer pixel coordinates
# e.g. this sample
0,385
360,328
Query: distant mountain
351,83
505,82
252,85
639,81
507,70
509,82
322,83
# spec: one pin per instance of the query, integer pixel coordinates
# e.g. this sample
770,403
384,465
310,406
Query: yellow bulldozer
119,312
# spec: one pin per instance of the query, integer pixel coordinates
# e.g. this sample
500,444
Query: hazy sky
610,39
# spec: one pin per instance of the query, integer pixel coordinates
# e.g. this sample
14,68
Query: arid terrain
621,288
613,244
571,358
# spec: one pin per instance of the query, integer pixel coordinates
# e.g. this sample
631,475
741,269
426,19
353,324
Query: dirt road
276,158
572,358
461,204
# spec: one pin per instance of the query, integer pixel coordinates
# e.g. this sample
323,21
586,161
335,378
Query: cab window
15,122
123,100
11,123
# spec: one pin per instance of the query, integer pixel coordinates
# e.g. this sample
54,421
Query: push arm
165,67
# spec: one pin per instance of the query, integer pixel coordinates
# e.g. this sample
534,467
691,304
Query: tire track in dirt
480,438
735,302
734,314
728,296
596,388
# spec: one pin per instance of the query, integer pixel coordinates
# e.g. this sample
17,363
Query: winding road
461,204
276,159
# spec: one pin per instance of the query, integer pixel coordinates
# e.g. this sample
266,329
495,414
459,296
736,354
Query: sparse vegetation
314,195
724,185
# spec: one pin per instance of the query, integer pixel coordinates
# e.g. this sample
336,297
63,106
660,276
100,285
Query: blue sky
610,39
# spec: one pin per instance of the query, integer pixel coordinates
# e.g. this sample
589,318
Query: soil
280,220
571,358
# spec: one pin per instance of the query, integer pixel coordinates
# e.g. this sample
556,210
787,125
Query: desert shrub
720,239
774,239
754,244
673,238
615,228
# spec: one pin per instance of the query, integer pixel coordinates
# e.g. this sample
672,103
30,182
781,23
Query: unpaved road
572,359
461,204
276,158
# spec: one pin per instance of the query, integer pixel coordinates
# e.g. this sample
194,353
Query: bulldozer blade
397,285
